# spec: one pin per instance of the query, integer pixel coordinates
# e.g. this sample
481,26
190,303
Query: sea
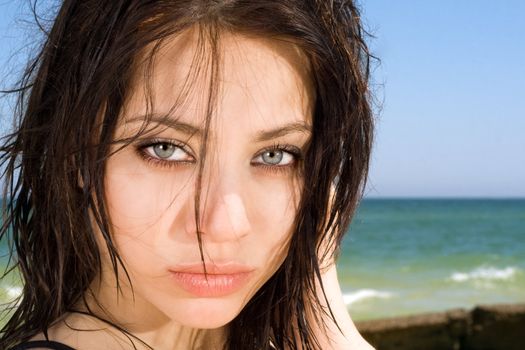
410,256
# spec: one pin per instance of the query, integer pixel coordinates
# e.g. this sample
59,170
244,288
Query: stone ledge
487,327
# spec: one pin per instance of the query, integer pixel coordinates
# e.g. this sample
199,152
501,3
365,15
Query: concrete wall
492,327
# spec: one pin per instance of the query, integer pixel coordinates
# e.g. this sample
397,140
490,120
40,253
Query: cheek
275,204
137,198
273,211
137,201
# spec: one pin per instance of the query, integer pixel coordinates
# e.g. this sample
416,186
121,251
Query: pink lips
221,279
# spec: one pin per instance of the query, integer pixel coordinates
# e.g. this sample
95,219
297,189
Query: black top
46,344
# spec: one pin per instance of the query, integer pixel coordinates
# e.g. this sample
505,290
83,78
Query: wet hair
69,102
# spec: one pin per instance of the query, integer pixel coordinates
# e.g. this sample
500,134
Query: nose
223,213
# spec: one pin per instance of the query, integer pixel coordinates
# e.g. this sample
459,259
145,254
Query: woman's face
250,185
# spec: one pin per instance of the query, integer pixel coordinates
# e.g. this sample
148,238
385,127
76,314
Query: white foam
486,273
363,294
13,292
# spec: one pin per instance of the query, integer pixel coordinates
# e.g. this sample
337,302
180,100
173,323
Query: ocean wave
13,292
9,293
363,294
485,273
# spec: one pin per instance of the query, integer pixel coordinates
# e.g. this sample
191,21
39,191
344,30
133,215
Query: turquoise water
404,256
409,256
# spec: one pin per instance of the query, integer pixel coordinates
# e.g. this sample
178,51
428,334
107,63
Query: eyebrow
192,130
283,130
185,128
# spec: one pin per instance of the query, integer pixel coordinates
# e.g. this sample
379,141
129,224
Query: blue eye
164,151
276,157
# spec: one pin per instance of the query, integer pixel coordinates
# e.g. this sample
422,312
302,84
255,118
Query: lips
220,280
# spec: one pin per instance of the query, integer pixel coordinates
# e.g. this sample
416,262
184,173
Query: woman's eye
275,157
165,151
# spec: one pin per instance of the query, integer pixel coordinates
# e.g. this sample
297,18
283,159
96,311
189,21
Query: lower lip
213,286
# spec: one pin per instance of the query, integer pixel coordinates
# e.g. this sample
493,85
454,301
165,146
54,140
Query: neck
106,312
82,331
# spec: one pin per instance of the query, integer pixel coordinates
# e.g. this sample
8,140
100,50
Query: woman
182,175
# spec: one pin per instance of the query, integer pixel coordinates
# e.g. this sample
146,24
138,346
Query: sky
449,93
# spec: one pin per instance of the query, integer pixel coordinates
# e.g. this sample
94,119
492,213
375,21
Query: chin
206,313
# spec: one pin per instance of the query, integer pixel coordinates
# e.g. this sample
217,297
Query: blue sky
451,89
453,117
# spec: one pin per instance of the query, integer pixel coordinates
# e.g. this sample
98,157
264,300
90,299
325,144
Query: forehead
262,78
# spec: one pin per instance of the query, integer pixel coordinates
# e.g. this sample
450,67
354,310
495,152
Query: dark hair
69,101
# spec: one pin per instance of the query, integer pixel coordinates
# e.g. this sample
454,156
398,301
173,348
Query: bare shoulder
366,346
362,345
343,333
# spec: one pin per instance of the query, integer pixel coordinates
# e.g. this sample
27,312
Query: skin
248,201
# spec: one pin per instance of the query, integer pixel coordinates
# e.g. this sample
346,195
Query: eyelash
295,152
141,150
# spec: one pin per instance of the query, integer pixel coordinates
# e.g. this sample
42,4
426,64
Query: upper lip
227,268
